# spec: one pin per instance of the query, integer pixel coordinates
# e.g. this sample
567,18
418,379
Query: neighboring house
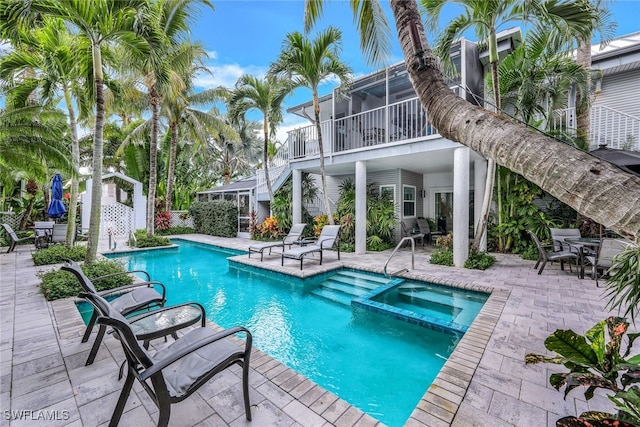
615,107
242,194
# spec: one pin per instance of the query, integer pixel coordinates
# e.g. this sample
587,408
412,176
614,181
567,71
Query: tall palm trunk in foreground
592,186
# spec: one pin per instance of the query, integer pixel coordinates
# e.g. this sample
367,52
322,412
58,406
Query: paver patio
484,383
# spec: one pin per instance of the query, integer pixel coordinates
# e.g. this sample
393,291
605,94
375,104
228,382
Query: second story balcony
396,123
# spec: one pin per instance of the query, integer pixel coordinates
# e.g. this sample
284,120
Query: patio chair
291,238
415,236
128,299
59,233
329,237
558,236
603,259
544,255
423,226
14,237
175,372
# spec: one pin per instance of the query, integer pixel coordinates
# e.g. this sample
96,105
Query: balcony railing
405,120
609,127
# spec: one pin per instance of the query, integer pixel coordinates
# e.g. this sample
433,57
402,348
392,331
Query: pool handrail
400,243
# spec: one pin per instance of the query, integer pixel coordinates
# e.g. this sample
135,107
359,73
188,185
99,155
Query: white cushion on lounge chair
329,236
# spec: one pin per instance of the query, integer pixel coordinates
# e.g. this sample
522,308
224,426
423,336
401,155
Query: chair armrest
121,273
132,286
172,358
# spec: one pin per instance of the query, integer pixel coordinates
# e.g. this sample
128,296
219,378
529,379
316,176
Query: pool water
377,363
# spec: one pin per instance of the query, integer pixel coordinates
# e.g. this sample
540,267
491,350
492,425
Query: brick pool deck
484,383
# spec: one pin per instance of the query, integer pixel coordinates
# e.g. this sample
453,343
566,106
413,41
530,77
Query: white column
479,183
460,206
361,207
297,196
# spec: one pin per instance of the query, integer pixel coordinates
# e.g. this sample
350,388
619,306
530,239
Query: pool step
344,286
331,295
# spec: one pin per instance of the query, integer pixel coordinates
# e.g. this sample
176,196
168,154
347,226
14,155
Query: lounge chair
174,373
128,299
290,239
329,237
14,237
544,255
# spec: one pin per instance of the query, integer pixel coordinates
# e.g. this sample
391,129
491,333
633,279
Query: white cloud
212,54
226,75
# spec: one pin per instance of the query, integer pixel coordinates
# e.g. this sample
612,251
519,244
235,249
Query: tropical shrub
58,284
478,261
55,254
163,220
269,229
443,253
175,230
381,218
594,361
143,240
283,203
623,286
216,218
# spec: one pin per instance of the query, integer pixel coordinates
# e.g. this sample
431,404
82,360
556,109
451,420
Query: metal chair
544,255
414,236
14,237
174,373
128,299
604,259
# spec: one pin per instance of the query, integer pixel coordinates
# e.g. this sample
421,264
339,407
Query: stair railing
400,243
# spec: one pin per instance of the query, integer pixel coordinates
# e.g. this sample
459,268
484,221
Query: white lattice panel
177,221
117,218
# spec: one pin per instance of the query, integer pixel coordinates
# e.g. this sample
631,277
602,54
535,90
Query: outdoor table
43,231
166,321
581,243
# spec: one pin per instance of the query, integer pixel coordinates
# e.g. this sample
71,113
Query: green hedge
62,284
143,240
175,230
216,218
55,254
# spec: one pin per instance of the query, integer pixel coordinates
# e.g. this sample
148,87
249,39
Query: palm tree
309,63
161,71
265,95
192,124
595,188
485,16
97,23
49,52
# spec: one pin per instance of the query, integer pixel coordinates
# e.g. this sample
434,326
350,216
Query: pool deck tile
484,383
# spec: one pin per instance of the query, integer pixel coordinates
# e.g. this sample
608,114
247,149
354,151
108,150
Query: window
388,192
408,201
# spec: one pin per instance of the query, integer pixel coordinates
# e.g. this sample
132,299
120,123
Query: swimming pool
378,363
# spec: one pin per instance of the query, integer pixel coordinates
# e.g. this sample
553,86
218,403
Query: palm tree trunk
592,186
323,175
491,164
153,162
96,185
583,103
75,160
172,165
265,161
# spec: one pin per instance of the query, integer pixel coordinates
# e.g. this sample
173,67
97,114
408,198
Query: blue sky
244,37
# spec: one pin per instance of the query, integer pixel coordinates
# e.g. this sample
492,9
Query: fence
181,219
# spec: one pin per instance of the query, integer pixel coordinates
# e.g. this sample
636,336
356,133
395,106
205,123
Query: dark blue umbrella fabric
56,207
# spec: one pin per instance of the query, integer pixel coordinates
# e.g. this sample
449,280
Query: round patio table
166,321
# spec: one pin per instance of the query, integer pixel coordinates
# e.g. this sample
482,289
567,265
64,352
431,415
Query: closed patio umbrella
56,207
